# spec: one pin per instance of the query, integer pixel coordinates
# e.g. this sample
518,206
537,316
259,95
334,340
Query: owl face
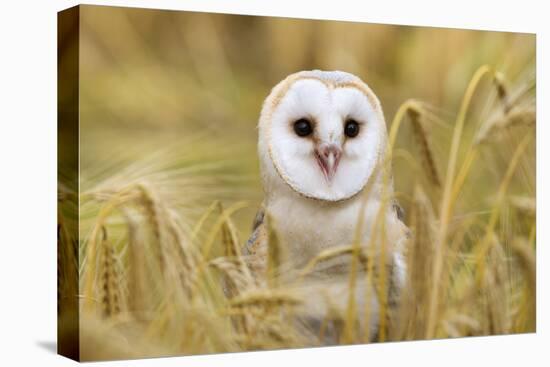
323,133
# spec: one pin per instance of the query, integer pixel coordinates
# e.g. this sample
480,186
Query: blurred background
189,87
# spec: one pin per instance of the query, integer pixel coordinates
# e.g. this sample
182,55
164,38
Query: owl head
321,133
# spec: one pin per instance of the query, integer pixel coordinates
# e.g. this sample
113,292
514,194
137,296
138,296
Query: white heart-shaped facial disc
328,108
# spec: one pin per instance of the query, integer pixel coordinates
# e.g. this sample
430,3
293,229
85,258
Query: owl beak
328,157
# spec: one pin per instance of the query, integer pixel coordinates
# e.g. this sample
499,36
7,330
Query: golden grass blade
446,203
275,254
203,218
207,247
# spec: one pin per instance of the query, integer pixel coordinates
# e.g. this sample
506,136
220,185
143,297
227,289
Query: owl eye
351,129
302,127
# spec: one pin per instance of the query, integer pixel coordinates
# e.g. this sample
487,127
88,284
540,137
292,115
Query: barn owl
322,144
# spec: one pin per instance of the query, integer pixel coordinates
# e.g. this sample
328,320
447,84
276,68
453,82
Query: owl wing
255,250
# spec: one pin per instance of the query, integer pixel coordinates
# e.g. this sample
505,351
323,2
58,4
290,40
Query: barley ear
415,114
110,301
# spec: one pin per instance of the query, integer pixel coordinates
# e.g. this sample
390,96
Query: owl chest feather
308,227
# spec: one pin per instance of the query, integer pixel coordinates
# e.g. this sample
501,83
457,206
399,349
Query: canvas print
239,183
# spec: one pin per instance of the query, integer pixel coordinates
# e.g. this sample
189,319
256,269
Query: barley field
169,181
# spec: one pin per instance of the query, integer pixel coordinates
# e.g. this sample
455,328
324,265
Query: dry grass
156,280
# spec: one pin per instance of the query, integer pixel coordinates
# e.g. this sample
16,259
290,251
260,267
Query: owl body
322,149
307,226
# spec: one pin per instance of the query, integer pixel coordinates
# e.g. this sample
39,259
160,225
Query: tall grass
158,278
